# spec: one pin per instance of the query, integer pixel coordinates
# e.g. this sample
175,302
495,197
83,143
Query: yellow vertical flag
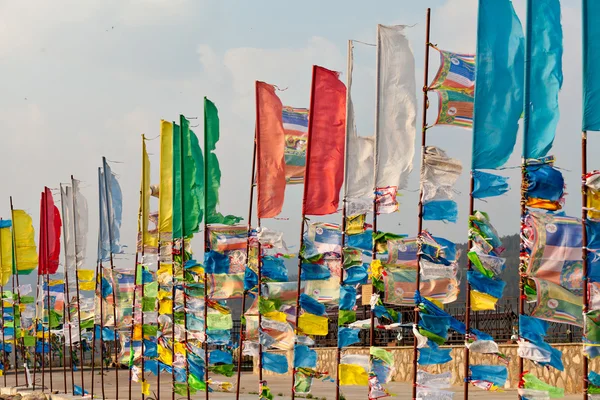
26,253
165,215
5,252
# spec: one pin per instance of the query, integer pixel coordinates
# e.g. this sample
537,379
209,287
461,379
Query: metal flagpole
374,257
420,223
98,293
523,201
132,332
141,270
303,219
259,252
47,251
16,261
81,354
68,298
174,288
468,297
184,286
584,252
107,199
2,311
242,318
344,206
206,249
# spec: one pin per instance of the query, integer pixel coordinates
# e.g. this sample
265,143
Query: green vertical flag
213,172
188,179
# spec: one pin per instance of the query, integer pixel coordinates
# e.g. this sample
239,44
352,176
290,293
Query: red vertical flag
50,226
326,143
270,144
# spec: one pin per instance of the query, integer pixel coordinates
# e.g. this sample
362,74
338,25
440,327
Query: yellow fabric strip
6,259
165,223
26,251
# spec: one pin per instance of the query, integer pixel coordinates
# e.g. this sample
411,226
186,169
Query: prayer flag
499,88
25,259
591,60
270,139
188,178
6,249
165,214
326,143
50,227
295,125
213,171
397,113
545,76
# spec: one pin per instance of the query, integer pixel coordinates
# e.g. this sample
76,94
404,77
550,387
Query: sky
84,79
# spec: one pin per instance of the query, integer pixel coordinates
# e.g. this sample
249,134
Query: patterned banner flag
295,124
455,86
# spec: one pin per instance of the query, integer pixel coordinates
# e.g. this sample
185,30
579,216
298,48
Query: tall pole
584,241
181,181
15,347
523,201
99,276
40,292
259,294
259,252
420,220
47,251
242,318
67,294
81,354
16,263
206,249
374,256
132,332
2,311
143,222
584,252
341,281
303,218
468,297
112,269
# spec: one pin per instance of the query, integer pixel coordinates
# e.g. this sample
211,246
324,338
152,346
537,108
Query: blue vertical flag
591,60
111,213
499,83
544,76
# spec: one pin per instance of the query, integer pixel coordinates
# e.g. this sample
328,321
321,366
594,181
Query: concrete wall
569,379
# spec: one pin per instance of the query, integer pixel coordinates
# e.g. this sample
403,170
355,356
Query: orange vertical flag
270,142
326,143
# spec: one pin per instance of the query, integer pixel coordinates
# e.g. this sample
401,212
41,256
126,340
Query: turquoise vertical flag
499,83
544,80
591,61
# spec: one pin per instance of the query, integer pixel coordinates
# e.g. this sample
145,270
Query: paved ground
280,387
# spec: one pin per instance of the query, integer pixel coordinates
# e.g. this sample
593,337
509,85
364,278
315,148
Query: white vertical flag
396,108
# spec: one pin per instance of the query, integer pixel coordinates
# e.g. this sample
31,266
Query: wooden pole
242,318
112,269
206,249
81,353
40,292
420,220
64,199
143,222
303,218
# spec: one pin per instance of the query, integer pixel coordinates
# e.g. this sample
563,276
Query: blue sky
83,79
